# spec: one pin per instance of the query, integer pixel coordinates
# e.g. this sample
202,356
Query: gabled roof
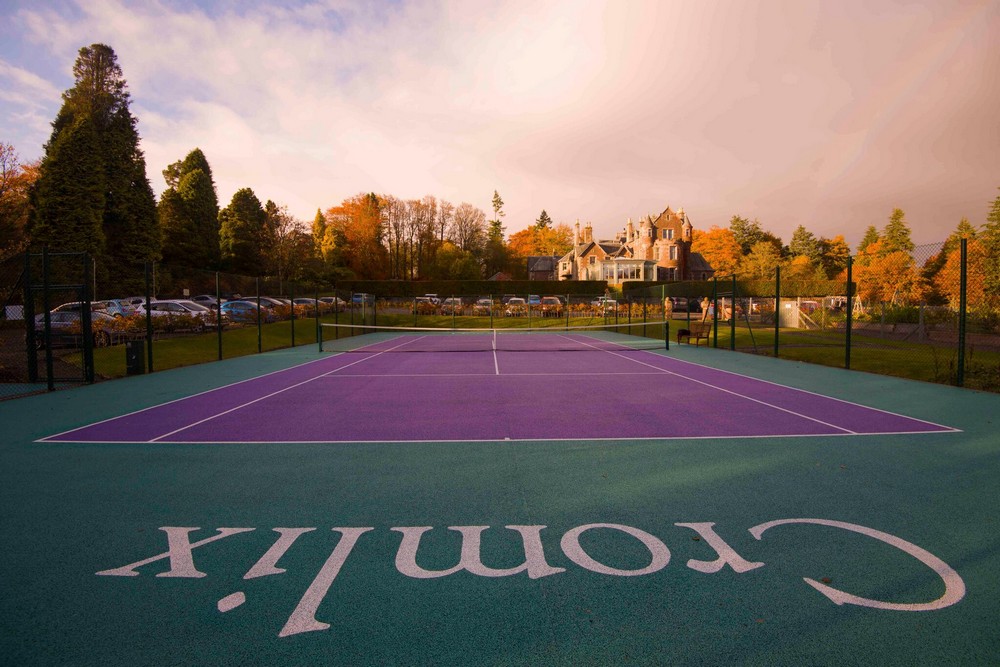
542,263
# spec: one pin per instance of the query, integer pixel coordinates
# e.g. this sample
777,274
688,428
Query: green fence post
319,329
31,346
777,307
850,312
291,297
50,381
715,312
85,324
218,313
260,332
149,315
962,311
732,317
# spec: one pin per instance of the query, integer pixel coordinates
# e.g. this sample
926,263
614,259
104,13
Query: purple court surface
381,394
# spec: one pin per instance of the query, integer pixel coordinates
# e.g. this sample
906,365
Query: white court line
280,391
184,398
729,391
811,393
576,440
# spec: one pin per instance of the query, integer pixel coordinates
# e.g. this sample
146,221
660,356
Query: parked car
207,300
534,300
422,305
433,298
551,306
65,329
451,306
179,308
605,305
335,304
516,307
77,307
246,312
360,298
483,306
120,307
307,306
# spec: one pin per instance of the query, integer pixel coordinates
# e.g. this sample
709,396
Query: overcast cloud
826,114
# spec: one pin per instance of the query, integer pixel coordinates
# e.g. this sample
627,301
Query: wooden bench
696,331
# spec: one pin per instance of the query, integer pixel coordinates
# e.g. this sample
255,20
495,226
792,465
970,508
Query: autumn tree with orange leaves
354,236
719,248
16,180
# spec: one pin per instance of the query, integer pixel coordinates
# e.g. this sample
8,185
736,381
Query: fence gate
58,322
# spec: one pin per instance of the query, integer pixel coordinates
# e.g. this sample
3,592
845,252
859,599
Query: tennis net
376,339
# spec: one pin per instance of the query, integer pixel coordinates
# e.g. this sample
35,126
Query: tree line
886,268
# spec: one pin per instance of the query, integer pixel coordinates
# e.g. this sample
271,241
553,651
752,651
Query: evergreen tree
241,228
544,221
871,236
110,177
496,249
747,233
804,243
990,237
191,234
178,235
895,236
318,232
68,199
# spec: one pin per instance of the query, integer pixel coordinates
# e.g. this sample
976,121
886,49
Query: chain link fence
930,313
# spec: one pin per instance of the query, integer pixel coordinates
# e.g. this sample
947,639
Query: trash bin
135,357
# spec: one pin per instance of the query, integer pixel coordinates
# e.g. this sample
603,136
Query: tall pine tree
93,193
190,231
241,230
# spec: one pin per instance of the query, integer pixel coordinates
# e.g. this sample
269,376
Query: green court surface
679,552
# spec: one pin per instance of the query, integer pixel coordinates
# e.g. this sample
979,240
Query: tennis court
465,386
570,498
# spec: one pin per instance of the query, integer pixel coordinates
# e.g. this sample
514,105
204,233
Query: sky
827,114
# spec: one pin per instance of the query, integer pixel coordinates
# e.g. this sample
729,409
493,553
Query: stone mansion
657,249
